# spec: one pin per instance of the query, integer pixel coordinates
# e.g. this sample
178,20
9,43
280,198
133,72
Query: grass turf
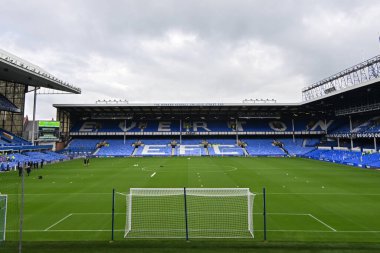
307,200
191,247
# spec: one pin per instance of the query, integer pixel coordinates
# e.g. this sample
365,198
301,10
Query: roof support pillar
125,130
34,115
352,141
180,132
294,137
374,143
236,129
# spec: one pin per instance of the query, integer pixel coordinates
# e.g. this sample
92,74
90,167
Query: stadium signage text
192,127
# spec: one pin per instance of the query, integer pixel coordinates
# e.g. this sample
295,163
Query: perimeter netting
192,212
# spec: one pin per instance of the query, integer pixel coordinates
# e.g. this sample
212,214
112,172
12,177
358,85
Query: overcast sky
188,51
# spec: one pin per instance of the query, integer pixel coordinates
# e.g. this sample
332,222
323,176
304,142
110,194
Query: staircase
134,151
282,147
245,152
96,151
207,152
286,151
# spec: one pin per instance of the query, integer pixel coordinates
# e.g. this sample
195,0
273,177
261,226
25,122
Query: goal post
3,216
189,213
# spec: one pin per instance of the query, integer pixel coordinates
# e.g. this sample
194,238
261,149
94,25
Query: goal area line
49,229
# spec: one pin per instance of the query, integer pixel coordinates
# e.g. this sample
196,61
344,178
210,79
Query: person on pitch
28,170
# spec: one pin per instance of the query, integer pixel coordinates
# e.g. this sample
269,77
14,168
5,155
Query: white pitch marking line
121,193
258,193
64,218
315,218
271,230
153,174
320,193
67,230
322,231
294,214
94,213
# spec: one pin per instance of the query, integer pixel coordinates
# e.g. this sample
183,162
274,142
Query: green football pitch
307,201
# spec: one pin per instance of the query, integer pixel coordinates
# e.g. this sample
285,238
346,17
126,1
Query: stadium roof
364,94
362,74
180,110
17,70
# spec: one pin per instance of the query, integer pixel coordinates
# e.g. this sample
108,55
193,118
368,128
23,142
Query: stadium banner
48,124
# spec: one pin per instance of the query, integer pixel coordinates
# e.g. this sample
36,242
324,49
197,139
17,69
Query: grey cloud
188,51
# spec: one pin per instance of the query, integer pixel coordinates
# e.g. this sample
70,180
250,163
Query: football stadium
199,177
201,126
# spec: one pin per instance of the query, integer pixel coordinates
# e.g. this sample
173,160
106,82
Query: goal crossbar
189,213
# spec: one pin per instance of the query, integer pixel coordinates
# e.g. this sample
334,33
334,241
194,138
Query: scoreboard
48,130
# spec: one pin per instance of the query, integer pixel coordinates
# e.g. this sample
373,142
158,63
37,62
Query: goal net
189,213
3,216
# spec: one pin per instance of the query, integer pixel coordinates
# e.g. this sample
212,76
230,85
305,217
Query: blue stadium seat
296,147
116,148
263,147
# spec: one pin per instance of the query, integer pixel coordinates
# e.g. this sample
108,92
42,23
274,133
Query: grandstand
18,77
325,122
